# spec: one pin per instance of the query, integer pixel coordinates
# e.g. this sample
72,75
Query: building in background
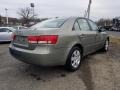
19,22
12,21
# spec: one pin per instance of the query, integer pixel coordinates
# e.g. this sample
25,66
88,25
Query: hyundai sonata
59,41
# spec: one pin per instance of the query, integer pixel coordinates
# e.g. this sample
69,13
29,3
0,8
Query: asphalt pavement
114,33
99,71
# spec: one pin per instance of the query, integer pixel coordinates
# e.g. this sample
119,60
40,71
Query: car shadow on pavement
85,73
46,73
49,73
5,42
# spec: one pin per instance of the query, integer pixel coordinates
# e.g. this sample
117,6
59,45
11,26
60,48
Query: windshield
51,23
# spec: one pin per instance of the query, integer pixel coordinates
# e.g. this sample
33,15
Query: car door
9,34
5,34
86,36
99,35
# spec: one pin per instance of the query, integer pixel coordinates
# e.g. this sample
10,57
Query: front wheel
106,46
74,59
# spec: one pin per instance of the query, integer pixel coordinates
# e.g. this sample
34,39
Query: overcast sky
54,8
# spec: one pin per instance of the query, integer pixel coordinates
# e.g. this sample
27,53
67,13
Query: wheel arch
80,46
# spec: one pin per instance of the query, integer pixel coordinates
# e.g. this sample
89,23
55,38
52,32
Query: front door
99,35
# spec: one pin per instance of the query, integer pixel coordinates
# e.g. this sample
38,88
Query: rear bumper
40,56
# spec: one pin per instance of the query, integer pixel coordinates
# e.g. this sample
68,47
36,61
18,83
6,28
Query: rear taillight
32,39
13,37
43,39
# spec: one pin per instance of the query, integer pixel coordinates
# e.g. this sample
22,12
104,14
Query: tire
106,46
74,59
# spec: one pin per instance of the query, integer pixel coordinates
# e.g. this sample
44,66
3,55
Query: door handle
82,36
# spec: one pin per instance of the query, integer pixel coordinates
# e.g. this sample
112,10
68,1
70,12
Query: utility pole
87,12
89,7
32,5
6,10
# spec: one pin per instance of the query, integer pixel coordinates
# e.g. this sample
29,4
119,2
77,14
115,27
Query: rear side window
93,25
51,23
76,26
83,25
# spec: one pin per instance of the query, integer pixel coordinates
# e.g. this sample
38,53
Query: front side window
83,25
52,23
93,26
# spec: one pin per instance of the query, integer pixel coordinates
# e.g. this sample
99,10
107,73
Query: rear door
86,35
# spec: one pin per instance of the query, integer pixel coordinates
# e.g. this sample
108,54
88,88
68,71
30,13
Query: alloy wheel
75,58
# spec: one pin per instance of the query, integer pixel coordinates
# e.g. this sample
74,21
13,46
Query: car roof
75,17
5,27
72,17
8,28
18,26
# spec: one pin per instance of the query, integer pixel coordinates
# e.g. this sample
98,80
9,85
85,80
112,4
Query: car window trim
63,23
74,25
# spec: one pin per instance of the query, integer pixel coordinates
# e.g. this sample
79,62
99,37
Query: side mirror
101,29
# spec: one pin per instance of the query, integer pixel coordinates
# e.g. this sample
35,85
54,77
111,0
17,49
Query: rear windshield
51,23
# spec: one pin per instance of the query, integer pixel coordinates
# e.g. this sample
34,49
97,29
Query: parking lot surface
114,33
99,71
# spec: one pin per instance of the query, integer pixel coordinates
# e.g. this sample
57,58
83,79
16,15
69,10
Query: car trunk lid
29,39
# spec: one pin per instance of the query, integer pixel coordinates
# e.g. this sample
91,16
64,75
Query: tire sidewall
68,63
107,41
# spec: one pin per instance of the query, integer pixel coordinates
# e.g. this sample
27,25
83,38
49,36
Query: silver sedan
59,41
6,34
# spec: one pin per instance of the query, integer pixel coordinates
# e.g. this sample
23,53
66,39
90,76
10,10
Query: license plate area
21,41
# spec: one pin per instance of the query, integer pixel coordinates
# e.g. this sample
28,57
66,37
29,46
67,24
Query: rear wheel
74,59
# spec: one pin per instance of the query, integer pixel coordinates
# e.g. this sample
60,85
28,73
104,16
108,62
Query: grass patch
115,40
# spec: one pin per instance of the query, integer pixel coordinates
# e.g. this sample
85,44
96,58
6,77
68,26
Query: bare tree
26,15
104,22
